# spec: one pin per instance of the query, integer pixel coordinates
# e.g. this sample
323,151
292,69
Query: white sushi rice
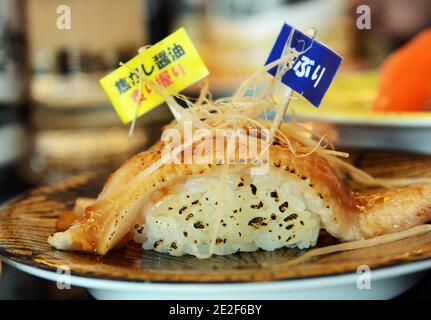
266,211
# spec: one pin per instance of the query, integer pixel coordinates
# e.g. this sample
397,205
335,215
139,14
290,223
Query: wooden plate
26,223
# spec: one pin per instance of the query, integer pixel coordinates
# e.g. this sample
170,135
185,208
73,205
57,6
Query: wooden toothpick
281,112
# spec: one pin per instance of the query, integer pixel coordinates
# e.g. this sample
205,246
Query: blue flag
312,72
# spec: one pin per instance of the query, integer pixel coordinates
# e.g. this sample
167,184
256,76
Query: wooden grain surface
26,222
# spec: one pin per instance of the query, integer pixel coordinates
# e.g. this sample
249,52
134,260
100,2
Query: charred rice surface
256,212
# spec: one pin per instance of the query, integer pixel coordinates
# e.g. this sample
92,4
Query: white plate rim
380,273
390,119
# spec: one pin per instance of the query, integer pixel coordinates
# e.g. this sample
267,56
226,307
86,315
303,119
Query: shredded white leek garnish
244,111
359,244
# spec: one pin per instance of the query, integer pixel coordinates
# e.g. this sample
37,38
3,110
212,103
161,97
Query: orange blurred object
405,83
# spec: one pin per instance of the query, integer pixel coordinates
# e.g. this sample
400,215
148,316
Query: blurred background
56,121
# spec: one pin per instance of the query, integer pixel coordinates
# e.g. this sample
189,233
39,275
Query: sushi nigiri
221,207
204,209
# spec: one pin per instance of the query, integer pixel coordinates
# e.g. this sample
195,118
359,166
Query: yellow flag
172,63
